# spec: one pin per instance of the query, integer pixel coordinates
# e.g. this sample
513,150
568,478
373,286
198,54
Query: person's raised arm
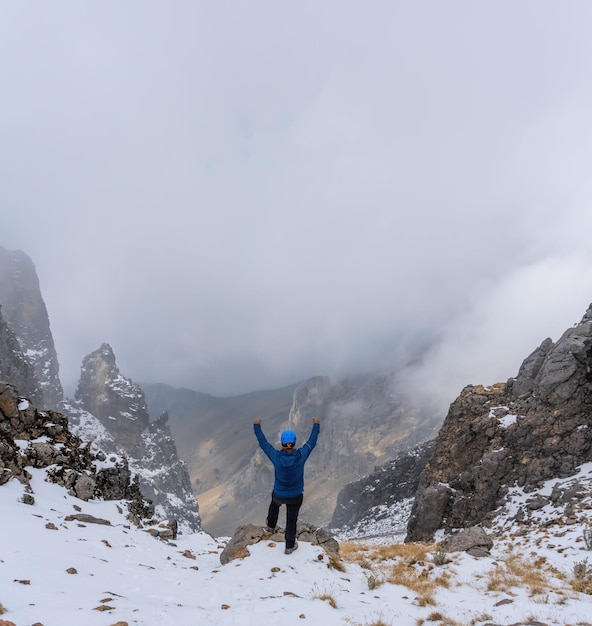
263,443
312,440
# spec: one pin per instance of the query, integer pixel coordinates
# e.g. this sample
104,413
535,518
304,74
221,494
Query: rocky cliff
534,428
110,411
14,366
25,314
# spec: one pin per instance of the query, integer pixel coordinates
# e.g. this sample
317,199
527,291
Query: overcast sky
241,195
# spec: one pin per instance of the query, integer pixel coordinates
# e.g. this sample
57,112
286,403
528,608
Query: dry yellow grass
517,571
407,564
442,620
583,585
411,553
325,596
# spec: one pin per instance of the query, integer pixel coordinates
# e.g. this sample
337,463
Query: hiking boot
271,530
290,550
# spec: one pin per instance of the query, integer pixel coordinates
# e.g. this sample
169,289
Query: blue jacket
288,466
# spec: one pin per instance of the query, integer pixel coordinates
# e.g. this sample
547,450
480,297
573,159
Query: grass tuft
325,596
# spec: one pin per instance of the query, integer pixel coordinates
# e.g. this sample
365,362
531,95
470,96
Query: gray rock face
111,412
533,428
25,313
394,481
14,367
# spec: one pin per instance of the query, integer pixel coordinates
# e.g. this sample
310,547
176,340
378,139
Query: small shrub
580,570
373,581
440,557
588,537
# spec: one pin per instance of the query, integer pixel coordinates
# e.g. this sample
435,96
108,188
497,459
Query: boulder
250,534
473,540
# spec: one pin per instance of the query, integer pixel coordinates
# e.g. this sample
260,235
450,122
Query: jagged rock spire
115,400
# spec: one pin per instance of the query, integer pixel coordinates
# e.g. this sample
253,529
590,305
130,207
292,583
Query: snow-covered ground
122,575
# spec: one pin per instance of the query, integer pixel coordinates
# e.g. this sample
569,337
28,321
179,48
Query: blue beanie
288,436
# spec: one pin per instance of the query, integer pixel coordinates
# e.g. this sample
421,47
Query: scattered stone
188,554
84,487
28,499
51,526
225,607
72,570
87,519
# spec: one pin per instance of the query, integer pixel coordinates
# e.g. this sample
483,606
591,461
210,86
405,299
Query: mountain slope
57,571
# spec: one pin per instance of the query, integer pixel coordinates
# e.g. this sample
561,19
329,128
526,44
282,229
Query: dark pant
292,508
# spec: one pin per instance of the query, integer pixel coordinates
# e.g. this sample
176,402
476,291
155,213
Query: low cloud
240,199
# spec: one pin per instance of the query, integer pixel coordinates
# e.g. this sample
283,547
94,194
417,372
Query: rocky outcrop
533,428
25,313
30,438
250,534
390,483
110,411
